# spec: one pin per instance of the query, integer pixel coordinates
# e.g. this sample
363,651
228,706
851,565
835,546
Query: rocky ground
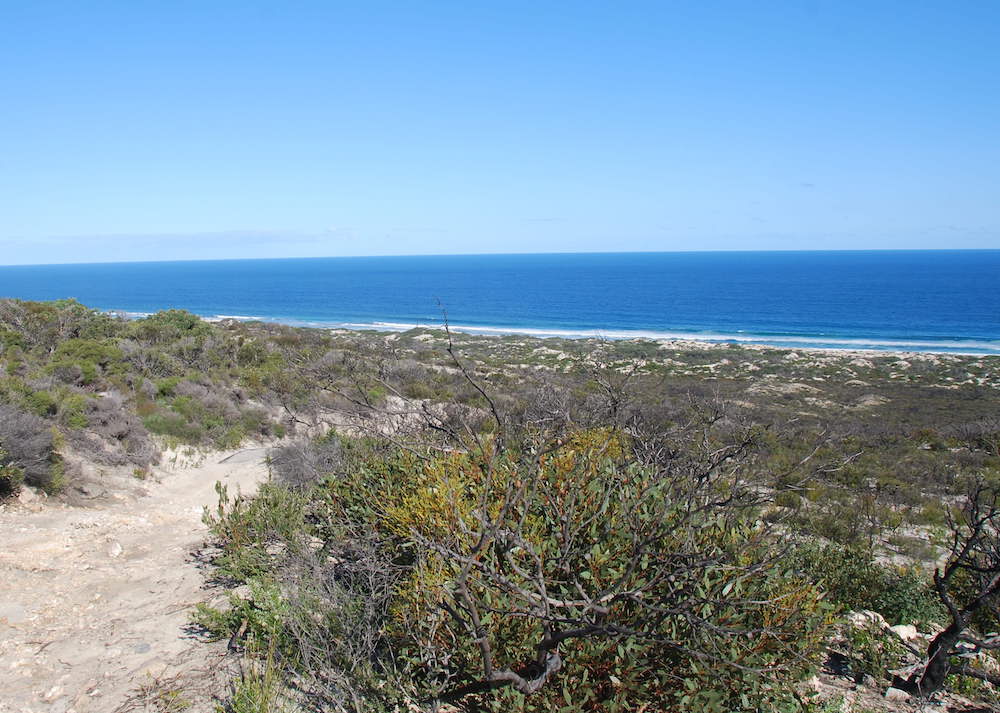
96,590
842,687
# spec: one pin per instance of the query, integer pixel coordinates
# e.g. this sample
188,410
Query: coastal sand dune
95,599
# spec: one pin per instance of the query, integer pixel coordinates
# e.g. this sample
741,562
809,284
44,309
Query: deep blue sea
947,300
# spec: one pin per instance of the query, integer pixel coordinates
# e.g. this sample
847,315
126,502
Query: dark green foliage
167,387
854,581
42,403
169,326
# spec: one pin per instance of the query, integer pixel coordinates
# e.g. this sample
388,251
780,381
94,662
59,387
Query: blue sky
183,130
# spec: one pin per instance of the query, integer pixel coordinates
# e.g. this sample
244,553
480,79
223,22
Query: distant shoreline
812,344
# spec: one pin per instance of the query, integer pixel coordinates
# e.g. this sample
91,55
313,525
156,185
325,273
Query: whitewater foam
926,345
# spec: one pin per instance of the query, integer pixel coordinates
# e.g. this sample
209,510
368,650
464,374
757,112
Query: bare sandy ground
95,597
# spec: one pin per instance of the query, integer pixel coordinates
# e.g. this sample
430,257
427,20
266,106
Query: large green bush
663,596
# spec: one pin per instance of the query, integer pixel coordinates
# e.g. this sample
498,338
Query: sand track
94,600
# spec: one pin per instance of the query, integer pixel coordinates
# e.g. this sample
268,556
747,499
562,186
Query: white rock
906,632
866,617
896,694
115,550
26,496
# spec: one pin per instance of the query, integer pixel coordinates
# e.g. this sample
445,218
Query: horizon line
503,254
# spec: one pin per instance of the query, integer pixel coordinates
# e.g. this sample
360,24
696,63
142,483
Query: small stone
52,694
142,648
896,694
115,550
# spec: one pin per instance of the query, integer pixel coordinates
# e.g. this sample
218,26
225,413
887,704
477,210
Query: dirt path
94,600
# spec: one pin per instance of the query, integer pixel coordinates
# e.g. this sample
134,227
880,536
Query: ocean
932,301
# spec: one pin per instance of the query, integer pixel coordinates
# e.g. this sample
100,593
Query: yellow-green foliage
577,511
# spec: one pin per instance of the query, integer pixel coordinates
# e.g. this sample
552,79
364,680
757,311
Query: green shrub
432,509
255,422
42,403
260,615
788,499
418,390
854,581
10,339
230,438
251,354
82,361
245,527
167,387
369,604
873,651
174,426
260,686
169,326
73,411
11,476
57,476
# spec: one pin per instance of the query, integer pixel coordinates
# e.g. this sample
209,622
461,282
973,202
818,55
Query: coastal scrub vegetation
115,391
577,570
514,523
